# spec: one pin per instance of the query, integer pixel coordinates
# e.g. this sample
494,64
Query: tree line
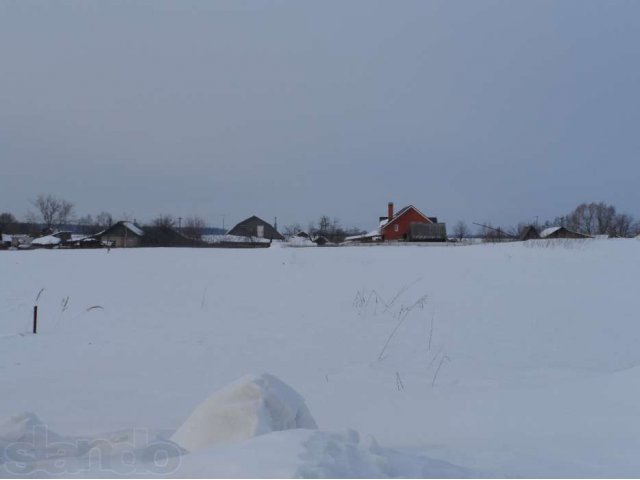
50,213
594,218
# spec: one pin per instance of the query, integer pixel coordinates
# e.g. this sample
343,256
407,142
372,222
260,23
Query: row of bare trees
325,226
595,218
50,213
599,219
193,226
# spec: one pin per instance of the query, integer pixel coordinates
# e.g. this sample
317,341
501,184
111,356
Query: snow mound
346,455
300,242
312,454
22,427
251,406
46,240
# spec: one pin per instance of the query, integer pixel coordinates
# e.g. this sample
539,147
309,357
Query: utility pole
179,223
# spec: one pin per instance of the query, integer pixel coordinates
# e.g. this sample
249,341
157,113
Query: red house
398,226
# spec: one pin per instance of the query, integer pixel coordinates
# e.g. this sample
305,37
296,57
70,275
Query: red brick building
397,226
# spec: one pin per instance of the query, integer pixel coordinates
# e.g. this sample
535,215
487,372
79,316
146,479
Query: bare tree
489,233
103,220
597,219
85,220
53,211
164,220
323,224
291,230
621,226
8,222
194,227
461,231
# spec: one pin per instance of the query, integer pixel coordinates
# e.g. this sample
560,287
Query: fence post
35,319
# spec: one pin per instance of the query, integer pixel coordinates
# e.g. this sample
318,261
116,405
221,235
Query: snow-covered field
486,360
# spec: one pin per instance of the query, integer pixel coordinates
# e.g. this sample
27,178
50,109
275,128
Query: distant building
5,240
255,227
121,234
529,233
163,236
561,232
412,225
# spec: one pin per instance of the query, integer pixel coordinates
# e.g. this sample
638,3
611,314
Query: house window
260,231
396,228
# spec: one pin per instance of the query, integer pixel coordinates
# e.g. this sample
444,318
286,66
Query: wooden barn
163,236
411,224
121,234
561,232
255,227
529,233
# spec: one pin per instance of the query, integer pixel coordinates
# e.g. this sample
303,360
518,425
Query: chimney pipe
390,210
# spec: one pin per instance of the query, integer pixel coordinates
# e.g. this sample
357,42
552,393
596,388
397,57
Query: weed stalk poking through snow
435,376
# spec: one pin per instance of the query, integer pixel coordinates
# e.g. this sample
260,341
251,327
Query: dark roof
529,233
562,232
117,227
168,237
248,228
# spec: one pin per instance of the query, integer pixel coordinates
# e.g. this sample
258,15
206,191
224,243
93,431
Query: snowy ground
488,360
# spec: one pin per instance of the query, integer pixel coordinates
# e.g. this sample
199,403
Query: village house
561,232
121,234
255,227
529,233
410,224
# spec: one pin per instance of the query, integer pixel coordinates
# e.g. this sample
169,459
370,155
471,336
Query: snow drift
251,406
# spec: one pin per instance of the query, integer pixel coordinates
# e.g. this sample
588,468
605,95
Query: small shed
121,234
529,233
255,227
163,236
427,232
5,240
561,232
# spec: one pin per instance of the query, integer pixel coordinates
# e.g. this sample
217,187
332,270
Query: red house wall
404,222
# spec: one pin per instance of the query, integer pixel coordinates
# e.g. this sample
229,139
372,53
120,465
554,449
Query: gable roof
529,233
245,228
132,227
548,231
401,212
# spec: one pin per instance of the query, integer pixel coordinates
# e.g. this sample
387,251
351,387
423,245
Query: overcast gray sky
476,110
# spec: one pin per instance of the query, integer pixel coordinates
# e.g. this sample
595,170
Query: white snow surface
548,231
299,242
46,240
251,406
508,360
